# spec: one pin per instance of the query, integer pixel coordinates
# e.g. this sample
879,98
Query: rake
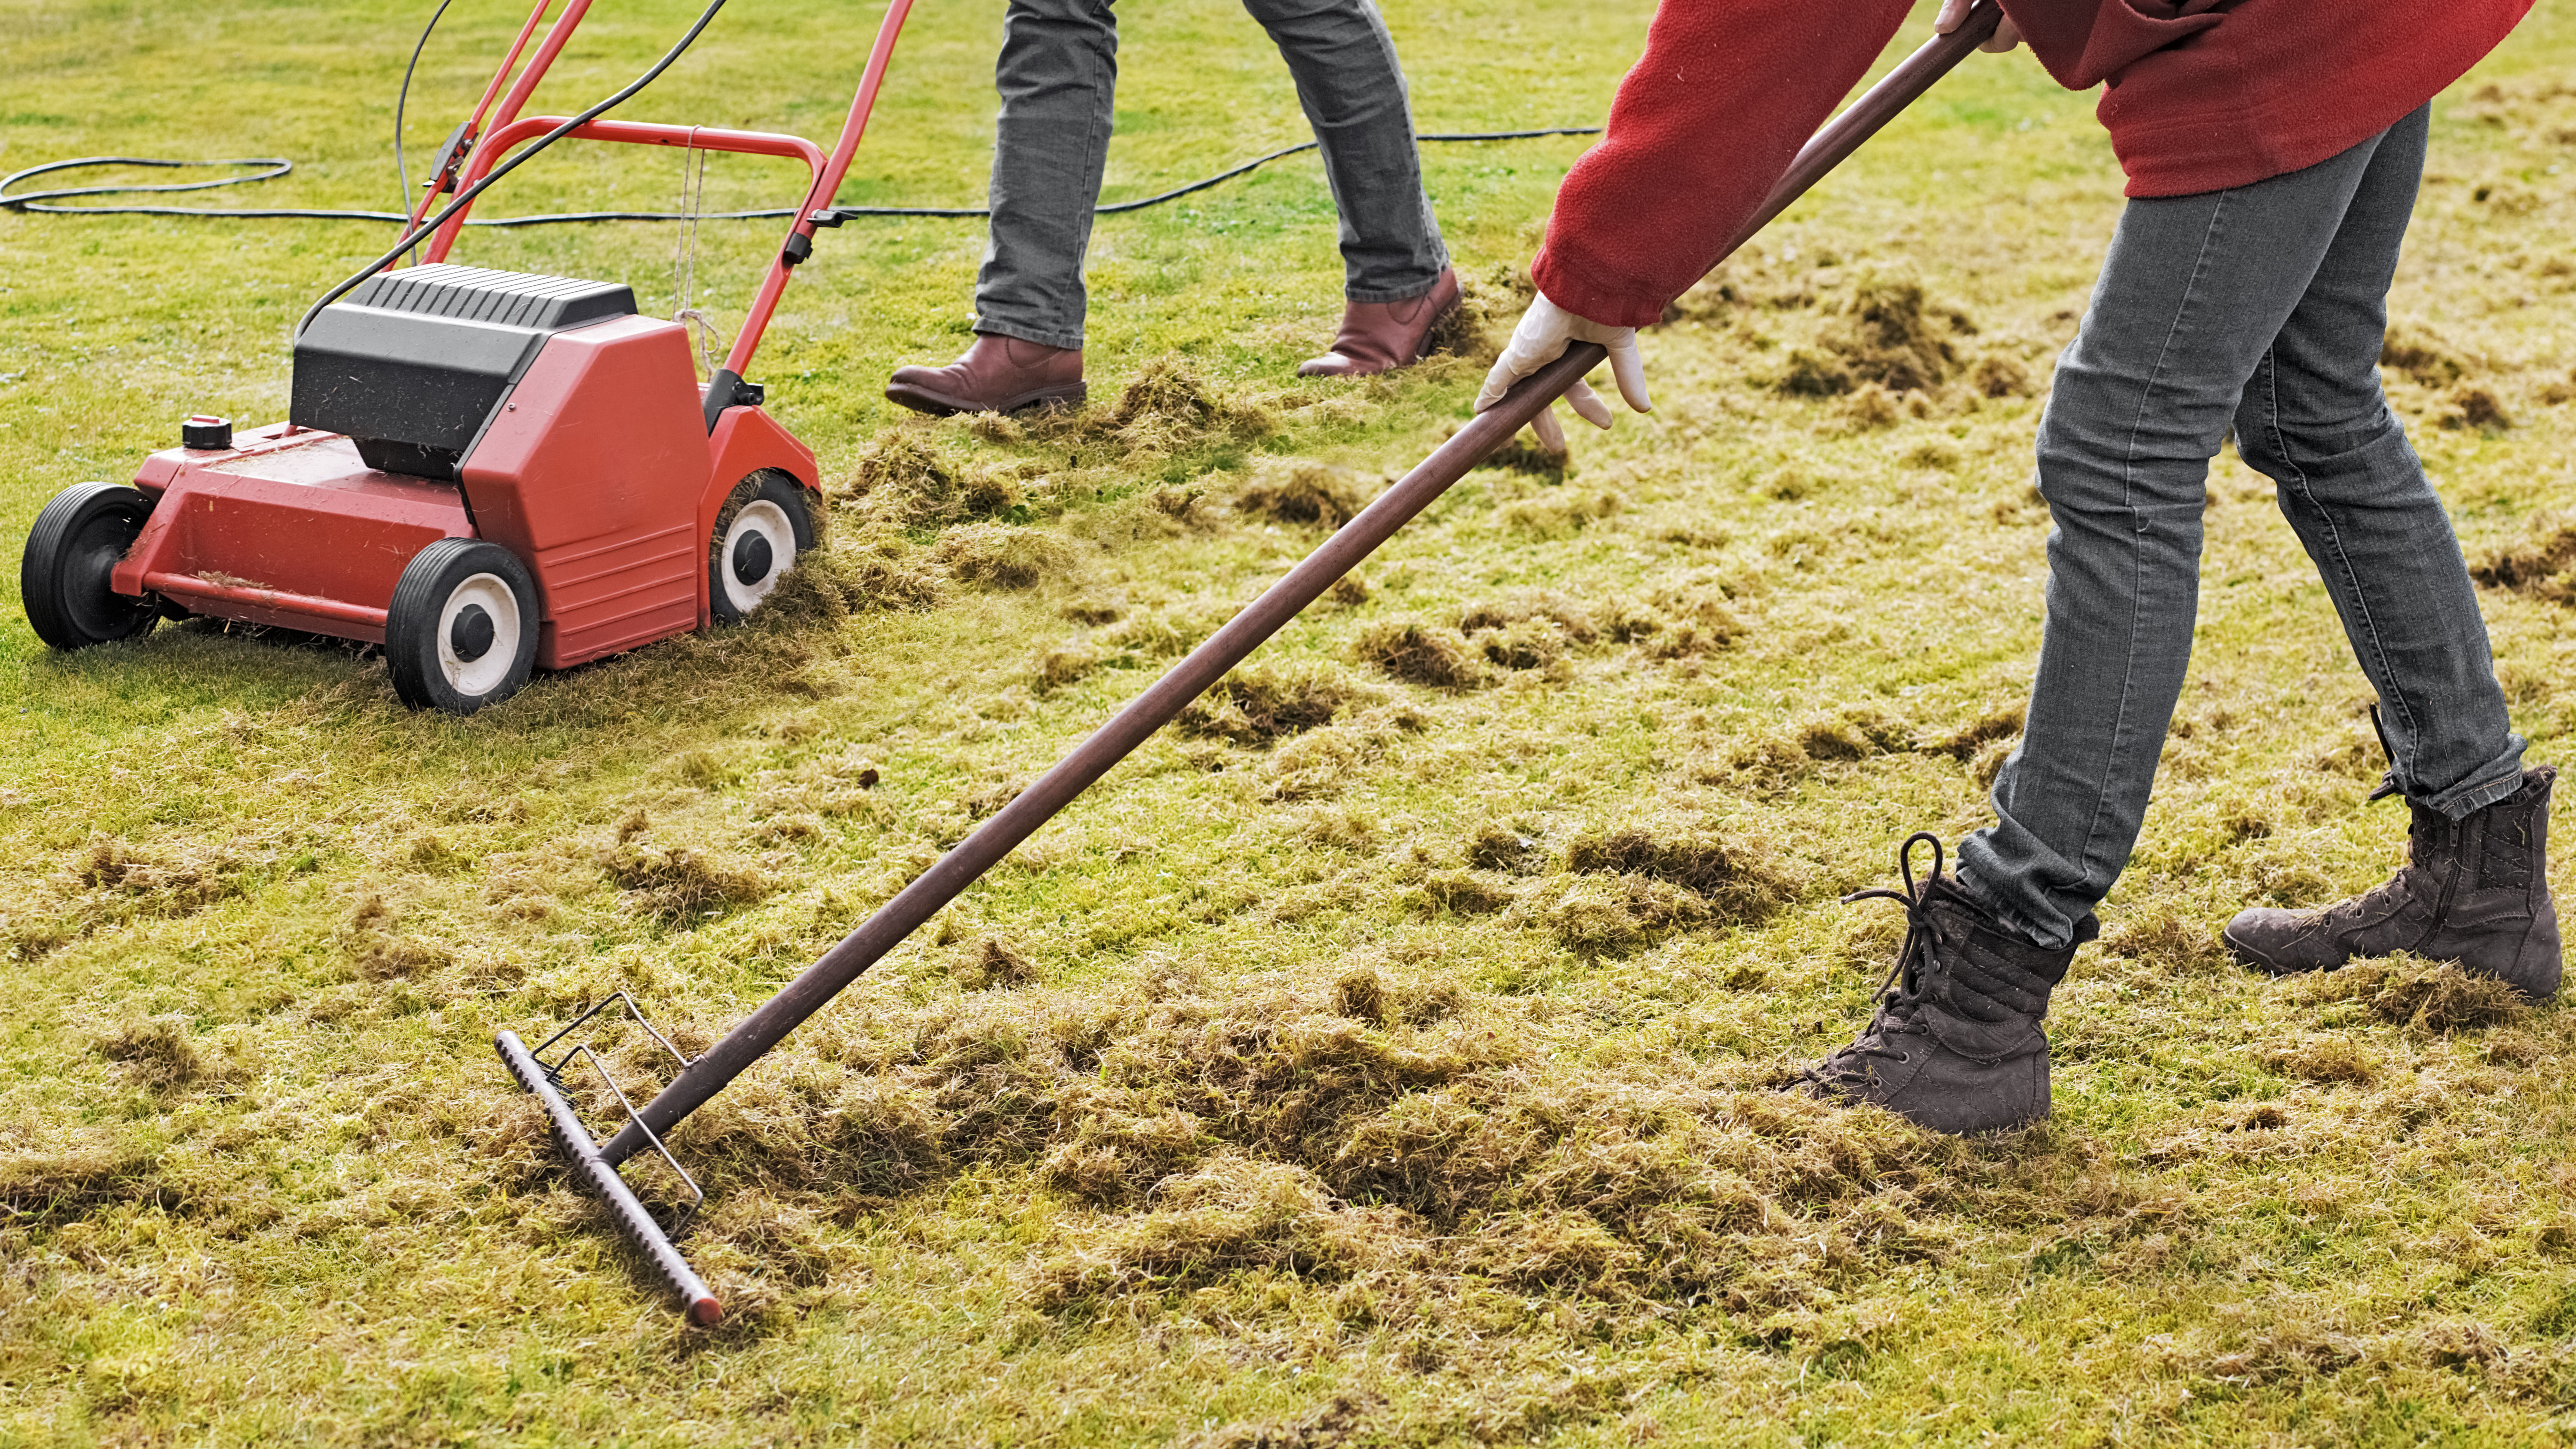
647,1128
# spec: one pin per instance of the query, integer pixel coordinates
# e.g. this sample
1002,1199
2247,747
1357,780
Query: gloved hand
1953,12
1544,331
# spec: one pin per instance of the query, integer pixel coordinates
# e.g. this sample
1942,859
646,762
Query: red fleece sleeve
1705,124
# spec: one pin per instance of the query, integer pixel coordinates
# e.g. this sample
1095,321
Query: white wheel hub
478,635
759,548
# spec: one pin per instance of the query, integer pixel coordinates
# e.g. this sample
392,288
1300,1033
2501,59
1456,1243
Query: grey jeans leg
1058,77
2212,309
2315,422
1354,96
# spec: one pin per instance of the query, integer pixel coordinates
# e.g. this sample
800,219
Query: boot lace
1857,1064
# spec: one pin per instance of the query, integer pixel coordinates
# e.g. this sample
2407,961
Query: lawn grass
1386,1055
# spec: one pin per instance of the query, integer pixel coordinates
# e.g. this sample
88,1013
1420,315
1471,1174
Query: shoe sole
939,405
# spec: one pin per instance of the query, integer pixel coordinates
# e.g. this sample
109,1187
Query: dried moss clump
1302,492
2424,359
1419,652
2542,565
998,556
1231,1217
1498,847
2433,996
158,1050
1572,618
1258,706
1738,881
1615,915
909,483
1882,336
2000,375
995,965
2474,407
882,572
680,884
69,1184
1169,407
160,885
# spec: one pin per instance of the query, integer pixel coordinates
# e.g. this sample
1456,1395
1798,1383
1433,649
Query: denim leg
2315,421
1058,77
2191,296
1354,96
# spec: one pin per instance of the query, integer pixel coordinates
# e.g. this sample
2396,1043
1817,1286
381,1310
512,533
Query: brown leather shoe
1381,336
997,375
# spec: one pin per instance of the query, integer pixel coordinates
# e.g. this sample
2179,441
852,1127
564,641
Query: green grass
1402,1078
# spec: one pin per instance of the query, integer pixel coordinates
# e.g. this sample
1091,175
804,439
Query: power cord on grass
41,202
272,167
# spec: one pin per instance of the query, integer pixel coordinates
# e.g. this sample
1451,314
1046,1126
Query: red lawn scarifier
482,471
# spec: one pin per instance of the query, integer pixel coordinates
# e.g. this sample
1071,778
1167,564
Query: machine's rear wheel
765,524
462,630
71,552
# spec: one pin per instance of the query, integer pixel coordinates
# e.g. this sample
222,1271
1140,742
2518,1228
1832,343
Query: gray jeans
2261,308
1058,74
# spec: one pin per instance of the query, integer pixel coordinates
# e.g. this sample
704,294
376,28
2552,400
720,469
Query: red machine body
598,473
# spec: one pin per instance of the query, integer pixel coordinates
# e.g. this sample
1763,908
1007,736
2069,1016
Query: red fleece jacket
2199,95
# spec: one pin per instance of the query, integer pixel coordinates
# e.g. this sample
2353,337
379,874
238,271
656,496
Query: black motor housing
413,364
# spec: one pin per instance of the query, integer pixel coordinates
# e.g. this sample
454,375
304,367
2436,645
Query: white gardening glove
1541,338
1953,12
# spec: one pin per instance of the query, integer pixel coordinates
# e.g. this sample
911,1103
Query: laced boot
1955,1044
2474,891
997,375
1382,336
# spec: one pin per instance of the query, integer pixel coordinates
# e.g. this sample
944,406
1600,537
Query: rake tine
629,1215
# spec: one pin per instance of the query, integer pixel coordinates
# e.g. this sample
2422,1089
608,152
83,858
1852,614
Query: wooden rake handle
1226,648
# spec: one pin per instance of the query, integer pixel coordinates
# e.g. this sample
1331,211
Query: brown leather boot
1382,336
997,375
2475,891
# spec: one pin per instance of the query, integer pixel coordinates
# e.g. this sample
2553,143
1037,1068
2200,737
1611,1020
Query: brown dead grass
680,884
1418,651
905,478
2539,565
1303,493
999,556
159,1051
1259,705
2428,996
1885,335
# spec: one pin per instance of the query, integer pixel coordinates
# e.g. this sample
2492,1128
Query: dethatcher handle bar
631,1218
1226,648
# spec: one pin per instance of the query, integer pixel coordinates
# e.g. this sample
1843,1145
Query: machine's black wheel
462,630
74,547
765,524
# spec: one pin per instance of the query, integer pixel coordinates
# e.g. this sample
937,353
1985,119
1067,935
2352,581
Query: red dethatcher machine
483,471
595,1162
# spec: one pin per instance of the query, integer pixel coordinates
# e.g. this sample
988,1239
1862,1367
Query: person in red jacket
2273,154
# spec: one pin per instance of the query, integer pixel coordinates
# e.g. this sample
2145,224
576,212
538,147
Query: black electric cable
402,98
35,201
840,214
466,197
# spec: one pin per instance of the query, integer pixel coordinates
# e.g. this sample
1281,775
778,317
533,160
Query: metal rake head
544,1079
